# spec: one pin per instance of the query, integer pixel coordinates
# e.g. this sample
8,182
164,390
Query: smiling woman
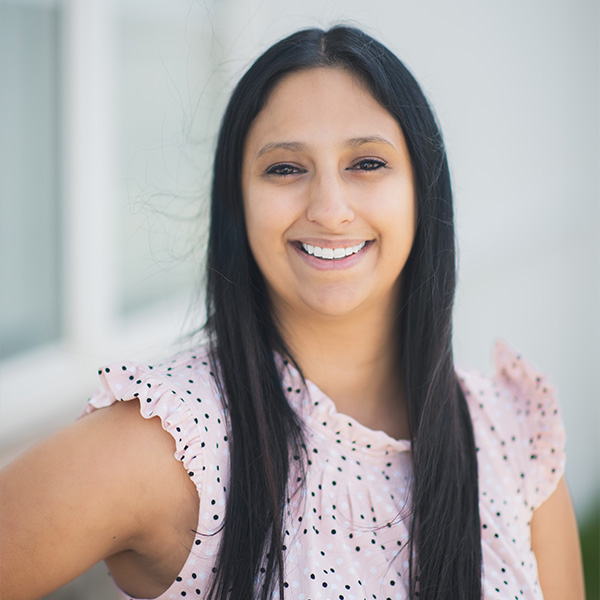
328,199
325,444
330,210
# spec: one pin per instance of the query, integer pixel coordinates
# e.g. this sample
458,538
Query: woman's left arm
555,543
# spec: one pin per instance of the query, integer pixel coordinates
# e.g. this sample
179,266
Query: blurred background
108,115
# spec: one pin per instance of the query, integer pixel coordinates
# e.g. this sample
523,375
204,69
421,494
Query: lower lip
336,264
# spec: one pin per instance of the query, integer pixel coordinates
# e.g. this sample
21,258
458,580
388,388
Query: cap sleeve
539,421
157,397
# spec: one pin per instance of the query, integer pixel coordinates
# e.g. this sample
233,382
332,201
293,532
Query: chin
335,304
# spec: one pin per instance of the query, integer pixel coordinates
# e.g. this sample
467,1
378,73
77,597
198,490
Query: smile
332,253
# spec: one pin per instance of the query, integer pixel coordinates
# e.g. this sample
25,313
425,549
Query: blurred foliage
589,532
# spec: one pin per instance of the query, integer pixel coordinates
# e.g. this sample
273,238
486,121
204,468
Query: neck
354,361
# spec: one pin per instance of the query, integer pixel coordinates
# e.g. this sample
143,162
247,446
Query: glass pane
29,175
165,101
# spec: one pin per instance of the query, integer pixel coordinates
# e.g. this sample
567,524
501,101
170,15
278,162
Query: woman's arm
555,543
104,485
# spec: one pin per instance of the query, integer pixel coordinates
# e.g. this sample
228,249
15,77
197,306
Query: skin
555,543
83,486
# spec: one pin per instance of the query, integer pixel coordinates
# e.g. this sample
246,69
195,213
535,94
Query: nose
329,201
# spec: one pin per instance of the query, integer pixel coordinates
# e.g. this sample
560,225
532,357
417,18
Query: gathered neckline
315,407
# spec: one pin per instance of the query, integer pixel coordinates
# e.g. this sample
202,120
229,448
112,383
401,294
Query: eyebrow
293,146
371,139
300,147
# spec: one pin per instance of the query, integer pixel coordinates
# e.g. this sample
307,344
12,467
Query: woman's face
328,196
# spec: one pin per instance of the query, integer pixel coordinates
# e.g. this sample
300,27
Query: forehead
316,80
321,104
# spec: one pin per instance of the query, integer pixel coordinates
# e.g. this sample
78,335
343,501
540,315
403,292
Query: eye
283,169
367,164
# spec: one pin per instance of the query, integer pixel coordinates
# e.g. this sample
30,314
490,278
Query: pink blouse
346,529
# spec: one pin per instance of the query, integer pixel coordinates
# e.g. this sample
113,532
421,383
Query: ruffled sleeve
156,397
535,418
182,393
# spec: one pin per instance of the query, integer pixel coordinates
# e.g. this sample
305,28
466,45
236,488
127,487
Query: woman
329,448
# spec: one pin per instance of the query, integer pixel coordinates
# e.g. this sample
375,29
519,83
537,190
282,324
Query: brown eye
283,169
368,164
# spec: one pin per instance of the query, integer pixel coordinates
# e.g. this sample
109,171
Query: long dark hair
266,436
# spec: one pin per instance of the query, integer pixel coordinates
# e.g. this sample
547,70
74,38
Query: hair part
445,538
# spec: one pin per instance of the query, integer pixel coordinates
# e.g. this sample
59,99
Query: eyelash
285,169
375,164
278,168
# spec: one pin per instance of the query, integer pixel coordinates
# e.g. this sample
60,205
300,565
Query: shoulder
180,391
83,486
517,422
187,375
182,394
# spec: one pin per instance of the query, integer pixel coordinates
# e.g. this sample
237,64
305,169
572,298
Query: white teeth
332,253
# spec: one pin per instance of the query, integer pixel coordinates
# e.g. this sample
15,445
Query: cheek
257,217
396,211
399,222
261,227
265,226
268,217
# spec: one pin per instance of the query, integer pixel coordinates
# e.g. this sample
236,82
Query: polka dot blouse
346,530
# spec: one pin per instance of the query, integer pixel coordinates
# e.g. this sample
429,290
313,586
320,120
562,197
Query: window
30,208
107,119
